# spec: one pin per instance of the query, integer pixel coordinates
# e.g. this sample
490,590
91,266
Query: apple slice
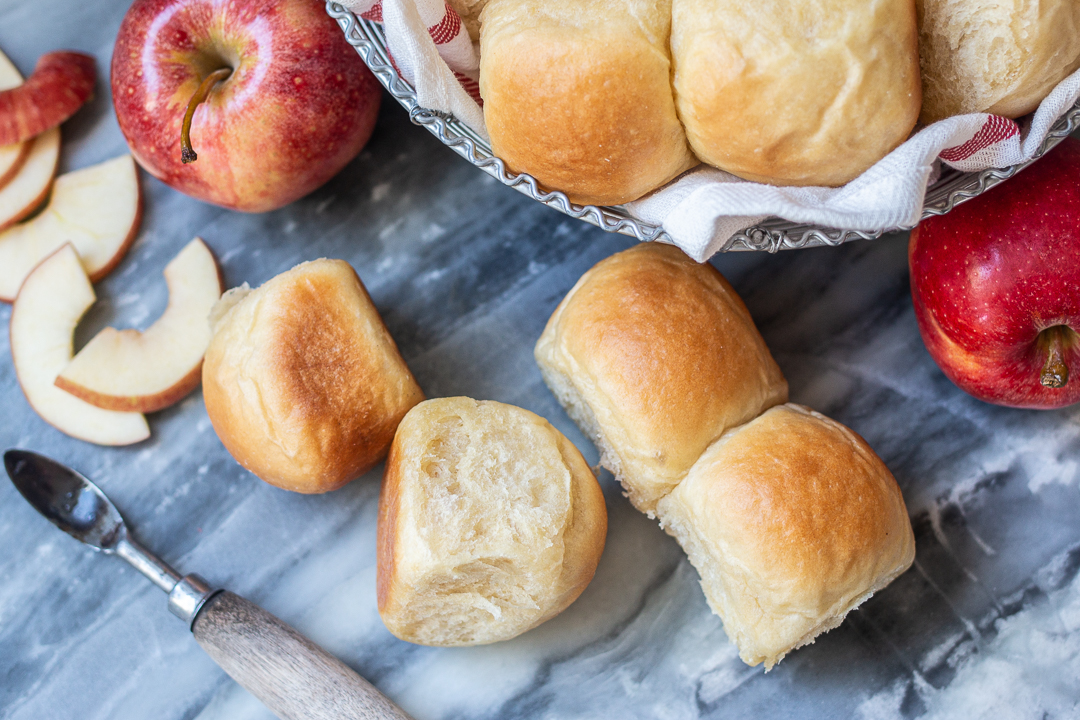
96,209
25,192
13,156
50,304
133,371
60,84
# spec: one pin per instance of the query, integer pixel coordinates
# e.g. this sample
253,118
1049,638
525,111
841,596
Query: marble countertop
466,272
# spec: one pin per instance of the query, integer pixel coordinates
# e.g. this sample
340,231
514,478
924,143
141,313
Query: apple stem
1054,340
187,153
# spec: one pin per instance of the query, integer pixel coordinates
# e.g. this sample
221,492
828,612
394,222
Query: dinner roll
997,56
490,523
654,356
469,12
795,92
578,94
792,521
302,382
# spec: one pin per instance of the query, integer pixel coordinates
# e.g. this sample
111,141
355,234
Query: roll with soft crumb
469,12
578,95
996,56
792,522
795,92
654,356
490,522
302,381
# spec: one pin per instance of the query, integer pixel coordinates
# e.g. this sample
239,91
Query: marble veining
466,273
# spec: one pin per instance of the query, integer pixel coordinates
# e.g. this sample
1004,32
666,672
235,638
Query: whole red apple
290,104
996,286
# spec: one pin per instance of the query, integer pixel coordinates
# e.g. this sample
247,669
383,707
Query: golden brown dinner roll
490,523
792,521
578,94
998,56
302,382
654,356
795,92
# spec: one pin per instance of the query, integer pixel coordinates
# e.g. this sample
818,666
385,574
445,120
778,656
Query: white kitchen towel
704,207
431,50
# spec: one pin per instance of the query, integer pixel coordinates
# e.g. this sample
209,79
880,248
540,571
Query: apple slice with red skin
49,306
25,192
60,84
133,371
97,209
996,287
12,156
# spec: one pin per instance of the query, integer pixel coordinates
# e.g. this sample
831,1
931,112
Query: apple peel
61,83
97,209
43,320
145,371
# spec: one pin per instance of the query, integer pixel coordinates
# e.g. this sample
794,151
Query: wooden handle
291,675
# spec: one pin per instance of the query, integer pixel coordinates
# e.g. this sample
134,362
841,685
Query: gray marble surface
466,272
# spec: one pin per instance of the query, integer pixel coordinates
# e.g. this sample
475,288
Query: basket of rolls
721,126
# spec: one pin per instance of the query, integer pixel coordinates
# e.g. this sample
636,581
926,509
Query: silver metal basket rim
771,235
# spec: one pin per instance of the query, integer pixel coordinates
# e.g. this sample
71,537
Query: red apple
996,287
60,84
291,105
